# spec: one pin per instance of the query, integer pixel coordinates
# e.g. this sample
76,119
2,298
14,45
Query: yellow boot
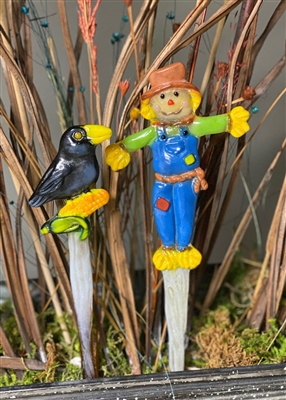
189,258
171,259
162,259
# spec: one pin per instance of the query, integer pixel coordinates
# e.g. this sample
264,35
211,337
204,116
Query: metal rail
255,382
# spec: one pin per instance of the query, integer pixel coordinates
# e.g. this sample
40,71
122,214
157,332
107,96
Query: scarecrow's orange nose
170,102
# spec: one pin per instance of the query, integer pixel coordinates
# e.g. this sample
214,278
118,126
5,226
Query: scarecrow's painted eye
77,135
162,95
176,94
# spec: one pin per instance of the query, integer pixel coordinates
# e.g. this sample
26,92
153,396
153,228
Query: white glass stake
82,289
176,284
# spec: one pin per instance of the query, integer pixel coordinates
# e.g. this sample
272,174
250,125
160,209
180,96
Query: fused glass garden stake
176,287
72,176
173,135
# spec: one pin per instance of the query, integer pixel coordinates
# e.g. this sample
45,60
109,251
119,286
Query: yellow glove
116,156
238,125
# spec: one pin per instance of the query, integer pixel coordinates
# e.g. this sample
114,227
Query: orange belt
200,182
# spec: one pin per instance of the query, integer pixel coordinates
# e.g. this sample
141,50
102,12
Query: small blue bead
125,18
11,202
255,110
112,41
44,23
116,37
82,89
48,65
170,15
71,89
25,10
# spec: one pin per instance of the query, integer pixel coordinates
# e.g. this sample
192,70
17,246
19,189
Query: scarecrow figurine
173,136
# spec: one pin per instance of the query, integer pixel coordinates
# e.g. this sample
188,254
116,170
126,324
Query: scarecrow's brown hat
171,76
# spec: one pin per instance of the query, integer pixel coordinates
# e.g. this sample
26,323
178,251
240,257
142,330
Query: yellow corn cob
85,204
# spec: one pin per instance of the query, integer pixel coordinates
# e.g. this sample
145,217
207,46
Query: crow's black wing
50,183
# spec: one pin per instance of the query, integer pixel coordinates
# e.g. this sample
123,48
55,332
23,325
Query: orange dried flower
222,69
248,92
128,2
124,86
94,68
86,19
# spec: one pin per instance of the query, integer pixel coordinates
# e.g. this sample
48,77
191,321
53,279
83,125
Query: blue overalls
175,203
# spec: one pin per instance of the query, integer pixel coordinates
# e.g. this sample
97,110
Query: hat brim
174,84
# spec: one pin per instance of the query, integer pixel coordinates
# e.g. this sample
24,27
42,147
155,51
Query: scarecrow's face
172,105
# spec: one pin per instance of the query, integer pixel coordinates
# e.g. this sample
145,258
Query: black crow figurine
75,168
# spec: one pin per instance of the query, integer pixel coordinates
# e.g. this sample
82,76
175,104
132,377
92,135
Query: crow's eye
78,135
176,94
185,132
162,95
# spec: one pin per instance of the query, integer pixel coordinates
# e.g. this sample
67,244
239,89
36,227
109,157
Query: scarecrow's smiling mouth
173,112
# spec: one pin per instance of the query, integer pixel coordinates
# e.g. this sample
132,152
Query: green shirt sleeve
202,126
140,139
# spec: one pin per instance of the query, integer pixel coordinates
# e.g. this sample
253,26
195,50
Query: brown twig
130,15
240,143
162,339
16,169
277,14
73,62
194,54
237,51
87,24
275,247
221,272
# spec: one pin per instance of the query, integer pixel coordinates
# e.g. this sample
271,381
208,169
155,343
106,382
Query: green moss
217,342
70,373
270,346
214,336
223,326
8,379
58,351
54,374
118,364
10,327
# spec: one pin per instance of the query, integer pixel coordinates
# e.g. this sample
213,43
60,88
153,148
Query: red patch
162,204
